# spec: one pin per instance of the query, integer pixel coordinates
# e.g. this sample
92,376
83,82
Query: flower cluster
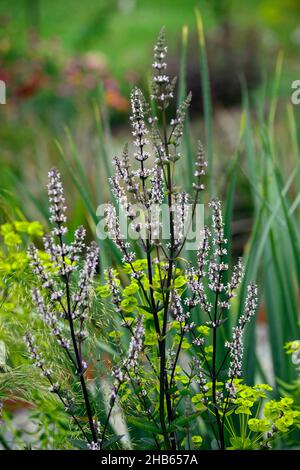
114,289
57,206
216,267
82,295
123,176
38,269
138,190
218,227
202,253
95,445
181,216
177,309
119,379
50,318
178,122
130,364
36,356
162,87
250,304
64,258
135,347
114,231
236,345
200,377
197,274
139,130
201,165
237,276
156,192
63,299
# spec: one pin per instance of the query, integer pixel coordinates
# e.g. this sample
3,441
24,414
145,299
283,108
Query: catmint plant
168,293
175,374
62,298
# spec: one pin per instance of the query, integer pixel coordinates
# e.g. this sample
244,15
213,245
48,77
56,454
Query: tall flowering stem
236,345
216,269
157,138
62,301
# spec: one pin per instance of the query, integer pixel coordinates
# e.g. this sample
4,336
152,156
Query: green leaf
78,444
183,421
128,304
130,290
180,281
103,291
172,390
184,392
259,425
197,441
240,443
142,424
112,440
149,309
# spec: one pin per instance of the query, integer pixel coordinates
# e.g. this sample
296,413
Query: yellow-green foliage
14,238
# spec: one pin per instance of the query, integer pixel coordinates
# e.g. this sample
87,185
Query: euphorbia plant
170,379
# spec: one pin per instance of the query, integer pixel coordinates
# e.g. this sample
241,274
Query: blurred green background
62,60
123,30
